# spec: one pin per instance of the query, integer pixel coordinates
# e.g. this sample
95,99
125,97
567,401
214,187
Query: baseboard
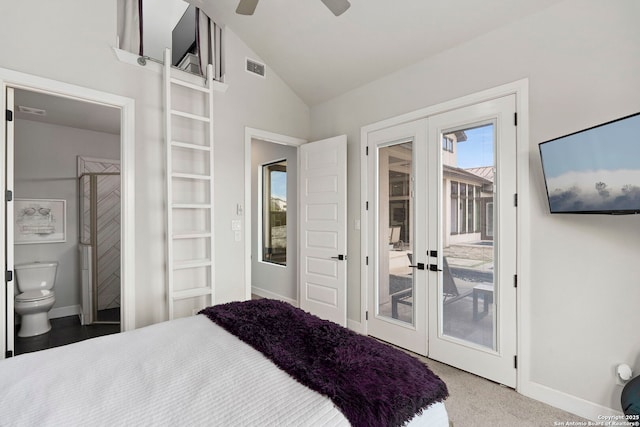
271,295
71,310
566,402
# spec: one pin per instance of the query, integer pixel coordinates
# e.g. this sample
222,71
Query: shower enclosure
100,246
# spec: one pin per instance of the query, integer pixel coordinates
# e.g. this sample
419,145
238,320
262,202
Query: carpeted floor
474,401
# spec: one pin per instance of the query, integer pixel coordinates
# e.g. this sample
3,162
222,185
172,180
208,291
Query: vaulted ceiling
321,56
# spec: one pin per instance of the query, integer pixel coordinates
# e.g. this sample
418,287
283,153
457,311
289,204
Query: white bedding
184,372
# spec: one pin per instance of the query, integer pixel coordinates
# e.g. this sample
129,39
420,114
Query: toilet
35,283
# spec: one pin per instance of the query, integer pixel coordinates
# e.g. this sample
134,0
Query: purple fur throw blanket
372,383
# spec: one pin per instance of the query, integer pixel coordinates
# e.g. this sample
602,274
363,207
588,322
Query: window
274,217
465,208
447,144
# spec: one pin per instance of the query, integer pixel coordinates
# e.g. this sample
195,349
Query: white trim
272,295
567,402
263,135
521,89
33,83
157,67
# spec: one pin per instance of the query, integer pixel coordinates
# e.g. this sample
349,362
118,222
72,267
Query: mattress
188,371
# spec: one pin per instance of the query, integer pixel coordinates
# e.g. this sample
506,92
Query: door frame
23,81
520,89
275,138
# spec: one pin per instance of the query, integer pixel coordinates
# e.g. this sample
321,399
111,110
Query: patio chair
449,290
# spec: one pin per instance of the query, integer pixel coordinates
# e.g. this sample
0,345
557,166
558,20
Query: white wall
278,281
45,168
76,47
582,59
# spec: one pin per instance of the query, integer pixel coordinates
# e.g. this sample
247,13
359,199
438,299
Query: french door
445,287
397,299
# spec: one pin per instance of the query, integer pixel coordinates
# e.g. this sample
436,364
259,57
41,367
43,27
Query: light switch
356,225
238,235
236,225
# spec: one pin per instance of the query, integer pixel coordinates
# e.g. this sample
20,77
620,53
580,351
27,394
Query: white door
6,230
442,237
472,239
323,228
397,236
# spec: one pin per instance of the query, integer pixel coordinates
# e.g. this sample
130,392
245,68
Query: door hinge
367,150
8,354
515,200
8,276
366,315
9,196
515,119
366,260
515,280
9,115
515,362
366,205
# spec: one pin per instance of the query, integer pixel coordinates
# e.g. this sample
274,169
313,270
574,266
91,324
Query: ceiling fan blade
338,7
246,7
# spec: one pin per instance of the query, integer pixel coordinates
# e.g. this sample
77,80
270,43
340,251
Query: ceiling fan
338,7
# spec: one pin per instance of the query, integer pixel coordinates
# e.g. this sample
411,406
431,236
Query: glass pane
395,247
275,213
107,247
468,306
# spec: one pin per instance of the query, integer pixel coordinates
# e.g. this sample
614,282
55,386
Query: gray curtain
130,26
209,44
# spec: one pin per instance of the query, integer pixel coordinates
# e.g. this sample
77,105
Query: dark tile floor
64,330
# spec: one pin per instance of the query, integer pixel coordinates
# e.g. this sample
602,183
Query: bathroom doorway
40,153
69,150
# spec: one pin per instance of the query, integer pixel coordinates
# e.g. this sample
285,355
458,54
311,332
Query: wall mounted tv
596,170
183,36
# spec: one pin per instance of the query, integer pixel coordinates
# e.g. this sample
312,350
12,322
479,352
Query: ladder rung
190,146
192,235
189,85
191,206
191,176
190,116
191,293
192,263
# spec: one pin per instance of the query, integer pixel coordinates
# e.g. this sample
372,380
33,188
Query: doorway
274,214
271,252
64,95
446,290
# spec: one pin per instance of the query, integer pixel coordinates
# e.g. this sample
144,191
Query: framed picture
40,221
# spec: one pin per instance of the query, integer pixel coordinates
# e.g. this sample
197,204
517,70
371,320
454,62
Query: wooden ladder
189,193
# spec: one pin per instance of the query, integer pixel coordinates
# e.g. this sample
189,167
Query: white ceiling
68,112
321,56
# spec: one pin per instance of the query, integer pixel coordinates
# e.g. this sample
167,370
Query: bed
228,366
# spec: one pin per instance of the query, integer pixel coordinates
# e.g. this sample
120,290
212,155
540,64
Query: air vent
31,110
255,67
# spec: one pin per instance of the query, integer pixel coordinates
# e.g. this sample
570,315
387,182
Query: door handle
434,267
419,266
339,257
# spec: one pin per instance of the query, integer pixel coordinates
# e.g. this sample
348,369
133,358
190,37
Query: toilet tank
36,276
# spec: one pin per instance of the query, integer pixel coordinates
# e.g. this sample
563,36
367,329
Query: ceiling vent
254,67
31,110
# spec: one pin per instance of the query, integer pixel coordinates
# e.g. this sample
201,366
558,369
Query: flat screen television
183,36
596,170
